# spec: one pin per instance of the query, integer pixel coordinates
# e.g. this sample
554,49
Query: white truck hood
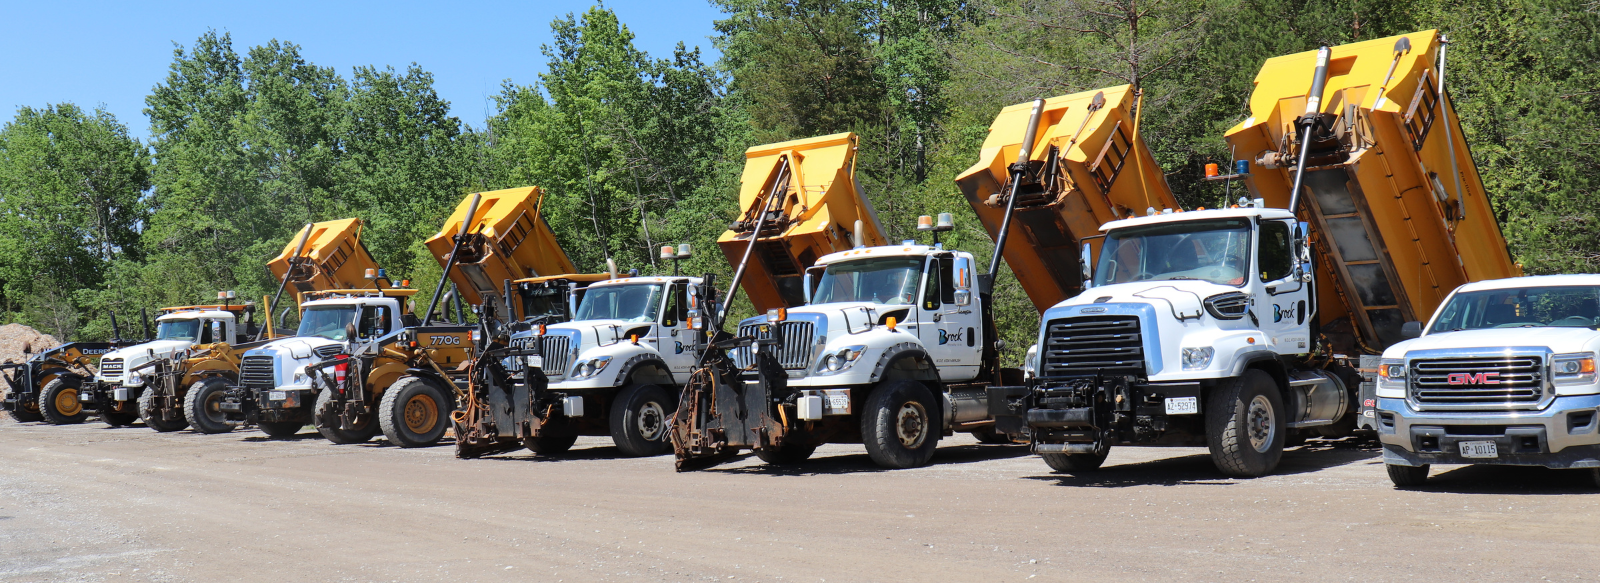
1559,340
138,354
291,355
1184,296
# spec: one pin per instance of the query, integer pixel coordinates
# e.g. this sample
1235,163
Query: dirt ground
90,503
16,340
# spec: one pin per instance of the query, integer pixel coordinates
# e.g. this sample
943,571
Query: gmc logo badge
1482,378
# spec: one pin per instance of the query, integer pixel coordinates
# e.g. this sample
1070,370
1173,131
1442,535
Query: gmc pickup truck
1503,374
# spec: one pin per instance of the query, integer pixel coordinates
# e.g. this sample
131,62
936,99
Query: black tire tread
194,403
1407,476
341,436
394,426
148,413
622,433
48,396
279,429
550,444
878,434
1225,433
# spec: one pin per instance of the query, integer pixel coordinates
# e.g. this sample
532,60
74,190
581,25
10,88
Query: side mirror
1411,330
1086,267
963,297
216,330
349,331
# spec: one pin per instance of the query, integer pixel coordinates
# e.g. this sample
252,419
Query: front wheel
550,444
1078,462
639,420
280,429
413,413
1407,476
1245,425
989,436
59,403
898,425
202,406
786,454
152,415
328,426
117,418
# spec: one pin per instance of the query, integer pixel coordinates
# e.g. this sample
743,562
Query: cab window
676,306
371,321
1277,261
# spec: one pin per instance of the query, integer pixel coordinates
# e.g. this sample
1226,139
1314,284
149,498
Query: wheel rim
421,414
67,402
213,407
652,421
1260,423
911,424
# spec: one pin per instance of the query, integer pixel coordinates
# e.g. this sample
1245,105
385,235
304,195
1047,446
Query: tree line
636,151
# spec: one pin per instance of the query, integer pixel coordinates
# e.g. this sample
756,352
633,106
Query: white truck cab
178,330
1504,373
280,365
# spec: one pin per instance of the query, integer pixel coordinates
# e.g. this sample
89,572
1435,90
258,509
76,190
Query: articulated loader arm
812,206
1083,168
497,236
1363,141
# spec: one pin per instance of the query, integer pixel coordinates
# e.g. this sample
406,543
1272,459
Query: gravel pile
15,337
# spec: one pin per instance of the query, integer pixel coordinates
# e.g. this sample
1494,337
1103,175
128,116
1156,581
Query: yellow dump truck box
506,240
333,257
1398,212
1085,170
815,215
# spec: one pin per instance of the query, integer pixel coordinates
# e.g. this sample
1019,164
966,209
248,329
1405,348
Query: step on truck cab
150,381
1241,329
1504,373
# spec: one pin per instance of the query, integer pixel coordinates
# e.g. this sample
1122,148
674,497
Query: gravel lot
90,503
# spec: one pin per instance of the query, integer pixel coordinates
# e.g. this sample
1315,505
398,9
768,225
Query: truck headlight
134,379
1392,374
839,361
591,367
1573,369
1198,358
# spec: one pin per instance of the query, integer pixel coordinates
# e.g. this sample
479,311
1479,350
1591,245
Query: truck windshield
178,330
326,321
1564,306
885,280
544,303
629,303
1215,251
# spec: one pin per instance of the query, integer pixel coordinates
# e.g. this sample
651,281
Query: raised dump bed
1085,169
505,239
330,256
1398,212
819,210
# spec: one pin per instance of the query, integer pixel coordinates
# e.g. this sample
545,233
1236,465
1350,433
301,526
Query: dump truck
892,348
1243,328
823,212
60,372
332,276
408,381
150,381
506,401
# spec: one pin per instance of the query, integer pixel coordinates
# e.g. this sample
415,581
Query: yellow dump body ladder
1398,213
1086,169
507,239
816,213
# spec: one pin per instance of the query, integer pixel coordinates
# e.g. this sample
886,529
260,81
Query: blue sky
112,53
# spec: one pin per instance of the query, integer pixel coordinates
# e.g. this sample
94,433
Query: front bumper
1565,434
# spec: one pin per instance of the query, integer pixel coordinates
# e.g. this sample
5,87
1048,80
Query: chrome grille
111,368
1091,345
255,372
557,354
795,353
1493,381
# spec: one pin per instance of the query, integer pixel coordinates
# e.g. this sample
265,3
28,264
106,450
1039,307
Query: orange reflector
1586,366
890,323
1211,171
1251,340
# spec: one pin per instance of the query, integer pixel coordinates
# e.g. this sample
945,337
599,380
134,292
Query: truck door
948,330
673,332
1282,299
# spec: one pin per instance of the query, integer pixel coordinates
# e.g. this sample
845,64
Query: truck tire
1407,476
59,404
1077,462
26,412
898,425
413,413
989,436
280,429
787,454
1594,476
550,444
329,428
200,406
1245,425
117,418
152,416
639,419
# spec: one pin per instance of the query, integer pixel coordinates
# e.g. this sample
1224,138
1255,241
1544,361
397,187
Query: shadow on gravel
1519,480
302,436
605,452
861,463
1198,469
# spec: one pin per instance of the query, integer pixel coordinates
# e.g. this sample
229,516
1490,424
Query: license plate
836,402
1183,405
1479,449
276,396
536,361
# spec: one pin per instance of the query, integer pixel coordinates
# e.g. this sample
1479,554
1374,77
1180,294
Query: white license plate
1183,405
1479,449
836,402
276,396
536,361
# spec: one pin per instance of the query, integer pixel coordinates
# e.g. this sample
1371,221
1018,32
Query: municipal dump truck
892,347
823,212
321,261
60,372
407,381
150,381
1242,328
502,411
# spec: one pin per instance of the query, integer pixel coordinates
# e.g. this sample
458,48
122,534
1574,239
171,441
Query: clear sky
111,53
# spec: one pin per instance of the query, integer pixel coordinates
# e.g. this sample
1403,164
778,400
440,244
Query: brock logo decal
1280,313
677,348
946,337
